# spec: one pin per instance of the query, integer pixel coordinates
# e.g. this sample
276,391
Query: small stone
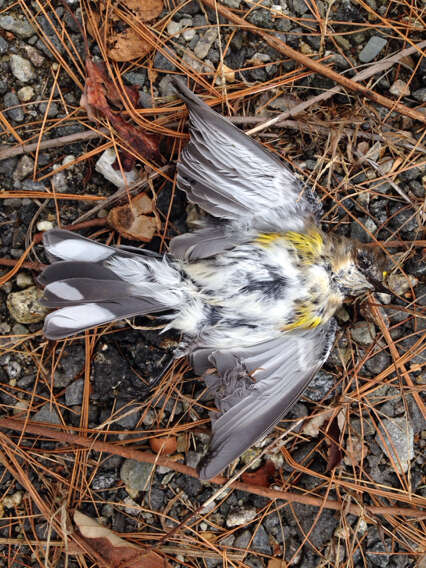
372,49
420,95
358,232
242,540
398,437
74,393
201,49
188,34
232,3
173,28
24,168
378,362
25,94
4,46
130,416
44,226
34,56
13,108
136,476
400,89
399,284
48,414
261,541
12,501
24,306
363,332
131,507
22,68
23,280
105,167
241,516
20,27
51,109
104,481
320,386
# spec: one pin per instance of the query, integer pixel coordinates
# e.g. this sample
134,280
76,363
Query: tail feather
95,284
75,291
65,269
73,319
65,245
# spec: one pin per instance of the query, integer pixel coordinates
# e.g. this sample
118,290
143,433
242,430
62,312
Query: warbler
253,289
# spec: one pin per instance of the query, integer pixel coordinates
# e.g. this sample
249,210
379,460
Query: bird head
360,270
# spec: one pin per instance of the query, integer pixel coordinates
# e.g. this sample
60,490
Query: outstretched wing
232,177
254,387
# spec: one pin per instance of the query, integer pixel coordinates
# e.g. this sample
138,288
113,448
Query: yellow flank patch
304,319
268,238
308,245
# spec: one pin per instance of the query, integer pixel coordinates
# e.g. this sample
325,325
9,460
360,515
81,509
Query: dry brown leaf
276,563
145,10
127,45
113,549
163,446
262,476
132,221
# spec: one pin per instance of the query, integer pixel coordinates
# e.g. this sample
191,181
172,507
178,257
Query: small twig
148,457
13,151
38,266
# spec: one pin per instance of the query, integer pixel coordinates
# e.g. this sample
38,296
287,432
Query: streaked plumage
253,290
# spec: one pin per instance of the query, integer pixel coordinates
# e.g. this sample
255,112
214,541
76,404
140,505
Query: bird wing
232,177
255,386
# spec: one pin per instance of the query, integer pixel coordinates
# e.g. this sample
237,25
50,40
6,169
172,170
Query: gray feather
75,291
254,387
73,319
62,270
233,177
203,243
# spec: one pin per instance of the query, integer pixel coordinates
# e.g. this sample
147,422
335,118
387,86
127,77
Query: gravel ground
51,383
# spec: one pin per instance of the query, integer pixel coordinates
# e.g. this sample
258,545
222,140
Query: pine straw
56,478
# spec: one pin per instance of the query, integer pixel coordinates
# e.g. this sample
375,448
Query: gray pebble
363,332
21,68
136,475
53,109
74,393
378,362
242,540
135,78
130,417
420,95
372,49
11,100
4,46
240,516
261,541
320,386
24,167
300,7
21,27
399,437
103,481
47,413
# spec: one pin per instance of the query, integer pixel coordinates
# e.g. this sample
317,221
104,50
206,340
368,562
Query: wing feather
233,177
254,387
